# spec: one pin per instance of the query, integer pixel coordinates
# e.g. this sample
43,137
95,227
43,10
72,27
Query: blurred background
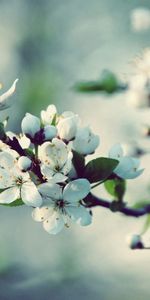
50,45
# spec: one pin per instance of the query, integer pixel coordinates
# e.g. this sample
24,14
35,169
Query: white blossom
16,184
30,125
85,142
48,115
56,160
67,126
140,19
62,205
5,99
128,166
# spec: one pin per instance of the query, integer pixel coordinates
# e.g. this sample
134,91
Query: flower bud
30,125
48,115
49,132
135,242
85,142
24,163
67,127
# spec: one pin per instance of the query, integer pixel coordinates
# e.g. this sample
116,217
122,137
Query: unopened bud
30,125
24,163
135,242
49,132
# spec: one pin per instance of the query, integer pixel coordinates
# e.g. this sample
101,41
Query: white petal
40,214
47,171
54,224
80,215
7,161
5,179
132,174
85,142
48,114
67,128
127,168
54,154
116,151
76,190
30,195
10,195
50,190
4,102
24,141
58,177
68,165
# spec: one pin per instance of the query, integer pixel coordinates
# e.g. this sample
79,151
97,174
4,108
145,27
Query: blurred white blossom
140,19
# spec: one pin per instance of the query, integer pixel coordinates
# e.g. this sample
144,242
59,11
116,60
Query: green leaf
17,202
29,152
108,83
99,169
78,161
116,187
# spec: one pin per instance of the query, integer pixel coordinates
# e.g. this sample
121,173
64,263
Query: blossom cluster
45,167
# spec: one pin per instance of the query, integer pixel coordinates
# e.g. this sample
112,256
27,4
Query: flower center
19,181
60,203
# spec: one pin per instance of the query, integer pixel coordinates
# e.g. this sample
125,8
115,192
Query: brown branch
93,201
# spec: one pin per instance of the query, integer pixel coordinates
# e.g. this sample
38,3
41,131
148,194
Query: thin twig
128,211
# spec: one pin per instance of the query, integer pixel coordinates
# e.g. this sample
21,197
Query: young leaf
99,169
78,161
17,202
116,187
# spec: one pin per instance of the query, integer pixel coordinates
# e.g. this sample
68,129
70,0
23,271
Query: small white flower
85,142
30,125
24,163
67,126
5,100
128,166
134,241
60,206
140,19
49,132
48,115
56,160
15,183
